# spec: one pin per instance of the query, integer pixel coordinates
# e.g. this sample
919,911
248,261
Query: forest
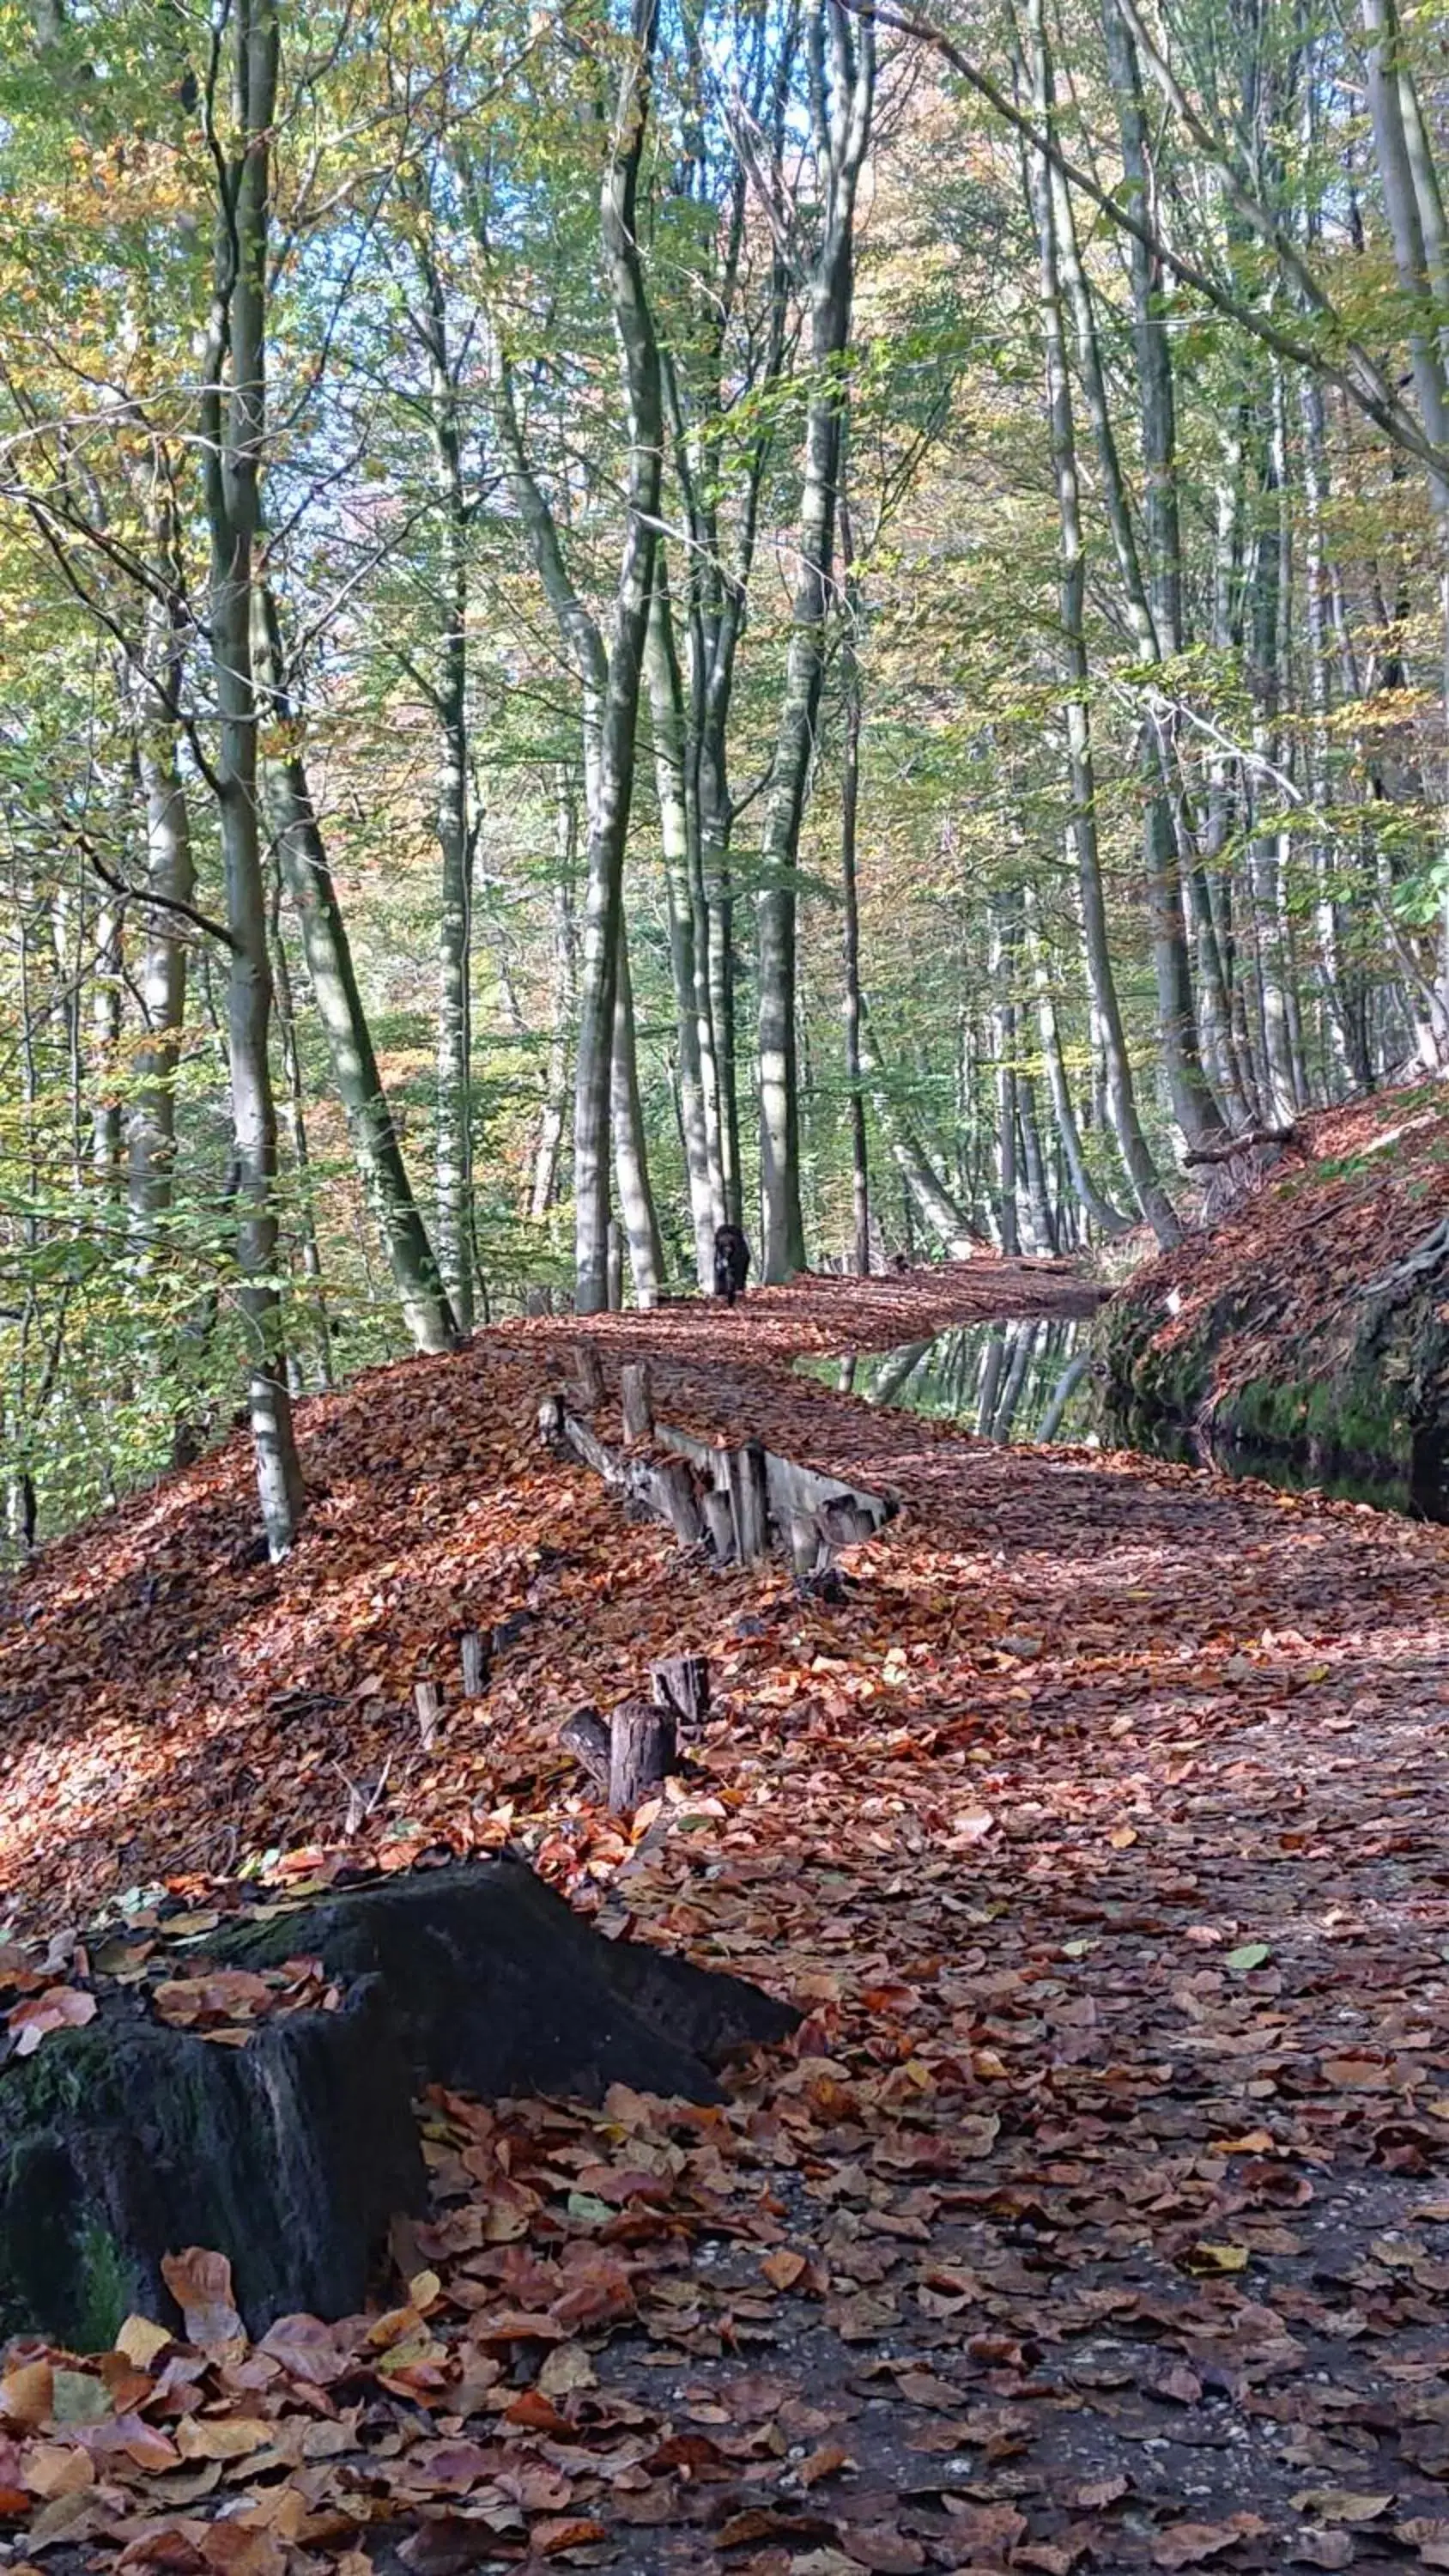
724,1287
733,612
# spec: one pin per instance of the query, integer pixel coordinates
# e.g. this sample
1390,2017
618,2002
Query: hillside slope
1309,1324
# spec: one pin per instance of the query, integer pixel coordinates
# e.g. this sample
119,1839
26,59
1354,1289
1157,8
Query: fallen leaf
549,2538
200,2283
27,2395
141,2340
784,2268
1191,2544
58,2008
1340,2504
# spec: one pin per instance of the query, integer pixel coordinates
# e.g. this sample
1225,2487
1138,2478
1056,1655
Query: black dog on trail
731,1262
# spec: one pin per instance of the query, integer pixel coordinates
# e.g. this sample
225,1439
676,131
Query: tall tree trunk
1136,1154
556,1076
310,883
852,714
233,436
842,100
161,983
631,1168
666,701
609,821
294,1113
454,823
1003,1050
105,1072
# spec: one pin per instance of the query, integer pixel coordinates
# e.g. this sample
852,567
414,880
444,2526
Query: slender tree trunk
609,821
841,114
233,437
1136,1155
852,711
294,1112
666,700
631,1168
106,1048
556,1077
1003,1050
161,982
312,888
455,826
1265,859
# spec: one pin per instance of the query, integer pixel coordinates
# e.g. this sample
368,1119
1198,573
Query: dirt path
1101,2217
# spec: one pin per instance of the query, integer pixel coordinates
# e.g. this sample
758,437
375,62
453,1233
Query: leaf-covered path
1099,2218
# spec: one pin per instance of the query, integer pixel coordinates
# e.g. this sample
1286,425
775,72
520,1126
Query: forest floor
1099,2215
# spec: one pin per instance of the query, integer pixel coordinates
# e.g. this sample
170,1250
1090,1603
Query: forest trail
1097,2218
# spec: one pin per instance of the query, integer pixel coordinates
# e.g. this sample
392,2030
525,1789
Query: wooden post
671,1494
642,1748
475,1655
745,1469
430,1712
636,1400
681,1682
588,1376
719,1522
804,1545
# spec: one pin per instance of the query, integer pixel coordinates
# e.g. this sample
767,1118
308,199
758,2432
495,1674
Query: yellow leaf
141,2339
221,2437
1218,2258
566,2368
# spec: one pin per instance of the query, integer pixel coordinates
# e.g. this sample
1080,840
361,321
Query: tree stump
128,2139
643,1749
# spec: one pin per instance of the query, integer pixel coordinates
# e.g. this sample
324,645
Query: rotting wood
475,1656
429,1701
636,1400
588,1376
674,1499
719,1524
1250,1141
586,1736
751,1496
804,1545
745,1473
681,1682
